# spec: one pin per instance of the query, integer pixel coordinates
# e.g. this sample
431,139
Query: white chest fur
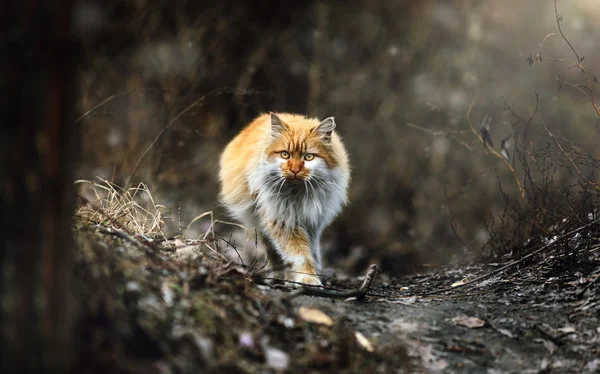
312,204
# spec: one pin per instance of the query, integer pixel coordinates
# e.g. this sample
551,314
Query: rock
276,358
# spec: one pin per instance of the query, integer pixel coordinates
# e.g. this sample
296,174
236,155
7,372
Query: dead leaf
315,316
470,322
506,333
459,283
567,329
364,342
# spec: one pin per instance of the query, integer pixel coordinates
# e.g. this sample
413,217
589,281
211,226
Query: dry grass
134,212
134,209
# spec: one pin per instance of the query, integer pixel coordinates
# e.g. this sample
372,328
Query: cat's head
301,147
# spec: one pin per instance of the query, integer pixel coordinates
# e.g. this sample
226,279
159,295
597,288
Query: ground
179,307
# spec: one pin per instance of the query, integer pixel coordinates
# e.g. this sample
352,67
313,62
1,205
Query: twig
442,133
452,221
576,63
561,32
228,242
359,293
501,269
87,114
569,158
493,151
537,105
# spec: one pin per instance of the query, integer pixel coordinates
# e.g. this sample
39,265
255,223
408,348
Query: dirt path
504,326
179,308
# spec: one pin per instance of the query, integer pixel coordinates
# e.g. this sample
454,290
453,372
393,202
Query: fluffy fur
286,176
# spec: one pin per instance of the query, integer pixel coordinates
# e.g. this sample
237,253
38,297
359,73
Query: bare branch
493,151
89,112
358,294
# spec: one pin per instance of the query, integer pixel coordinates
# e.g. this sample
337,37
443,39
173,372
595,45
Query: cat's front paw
303,279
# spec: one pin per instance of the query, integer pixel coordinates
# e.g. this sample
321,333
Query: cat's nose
295,169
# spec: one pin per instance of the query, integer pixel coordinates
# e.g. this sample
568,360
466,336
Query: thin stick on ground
358,294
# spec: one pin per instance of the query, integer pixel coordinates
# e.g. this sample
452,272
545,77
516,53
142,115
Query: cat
286,176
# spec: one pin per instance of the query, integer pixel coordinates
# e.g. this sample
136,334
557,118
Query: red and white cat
286,176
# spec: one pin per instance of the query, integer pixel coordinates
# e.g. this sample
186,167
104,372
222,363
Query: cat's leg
316,249
275,260
293,245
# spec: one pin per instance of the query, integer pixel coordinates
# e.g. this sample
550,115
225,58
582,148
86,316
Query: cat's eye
309,157
284,154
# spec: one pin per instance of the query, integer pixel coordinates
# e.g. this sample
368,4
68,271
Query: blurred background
166,84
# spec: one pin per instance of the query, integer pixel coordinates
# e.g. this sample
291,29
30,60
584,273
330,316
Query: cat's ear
325,128
277,125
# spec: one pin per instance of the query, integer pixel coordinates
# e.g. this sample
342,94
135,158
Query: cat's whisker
306,187
318,182
311,186
275,184
272,184
324,184
282,183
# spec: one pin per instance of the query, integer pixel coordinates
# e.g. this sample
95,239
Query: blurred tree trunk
37,82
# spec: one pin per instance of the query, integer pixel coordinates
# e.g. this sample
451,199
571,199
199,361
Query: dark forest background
165,85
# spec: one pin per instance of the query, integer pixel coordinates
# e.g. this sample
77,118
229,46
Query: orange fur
286,176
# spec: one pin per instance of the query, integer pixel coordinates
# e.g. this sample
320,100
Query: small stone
167,294
276,358
286,321
132,293
246,340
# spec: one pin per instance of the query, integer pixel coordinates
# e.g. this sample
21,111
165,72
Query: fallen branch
359,293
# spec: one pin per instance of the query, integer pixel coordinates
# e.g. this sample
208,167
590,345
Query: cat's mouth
294,179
